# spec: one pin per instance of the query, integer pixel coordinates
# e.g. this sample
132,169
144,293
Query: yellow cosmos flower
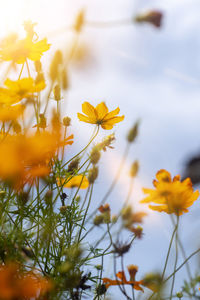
17,90
11,113
99,115
76,181
18,51
170,196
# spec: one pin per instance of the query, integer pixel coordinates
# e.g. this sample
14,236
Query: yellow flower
170,196
100,115
19,51
76,181
17,90
11,113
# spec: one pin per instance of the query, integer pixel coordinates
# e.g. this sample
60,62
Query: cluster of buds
104,217
130,219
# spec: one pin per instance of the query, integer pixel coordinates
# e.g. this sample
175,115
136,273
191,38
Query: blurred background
152,74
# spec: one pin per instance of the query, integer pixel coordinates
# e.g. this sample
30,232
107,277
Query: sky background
151,74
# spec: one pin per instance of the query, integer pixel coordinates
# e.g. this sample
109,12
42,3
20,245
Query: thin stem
185,261
107,24
85,214
176,258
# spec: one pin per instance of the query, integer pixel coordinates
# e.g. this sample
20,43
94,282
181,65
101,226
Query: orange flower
100,115
25,157
121,279
170,196
15,284
19,51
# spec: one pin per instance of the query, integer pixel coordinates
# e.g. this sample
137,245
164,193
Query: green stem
176,258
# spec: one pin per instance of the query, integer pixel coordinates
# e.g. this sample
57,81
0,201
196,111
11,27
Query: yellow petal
102,110
89,110
163,175
77,181
83,118
112,113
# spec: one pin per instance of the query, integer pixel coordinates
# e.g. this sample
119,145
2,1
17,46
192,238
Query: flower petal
112,113
101,110
89,110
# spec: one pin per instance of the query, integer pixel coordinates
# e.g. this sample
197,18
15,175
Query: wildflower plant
46,218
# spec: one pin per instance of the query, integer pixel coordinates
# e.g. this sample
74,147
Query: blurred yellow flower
100,115
170,196
25,157
18,51
11,113
16,90
76,181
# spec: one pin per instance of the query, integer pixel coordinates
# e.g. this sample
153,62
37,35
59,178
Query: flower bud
179,295
78,199
132,134
101,289
42,121
134,169
95,155
64,79
54,67
63,209
152,17
73,166
79,22
38,66
98,220
66,121
57,93
16,127
48,197
92,174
